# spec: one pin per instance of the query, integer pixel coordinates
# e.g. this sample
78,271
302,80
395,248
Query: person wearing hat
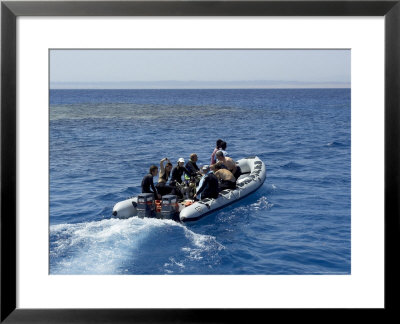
209,185
204,169
178,171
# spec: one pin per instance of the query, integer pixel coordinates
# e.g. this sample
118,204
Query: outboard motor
169,206
145,205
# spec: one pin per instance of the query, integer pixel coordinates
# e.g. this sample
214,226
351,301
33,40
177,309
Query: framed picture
77,118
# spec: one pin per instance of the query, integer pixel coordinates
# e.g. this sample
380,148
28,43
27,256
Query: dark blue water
102,143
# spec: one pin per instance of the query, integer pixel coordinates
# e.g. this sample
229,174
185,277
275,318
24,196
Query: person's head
168,167
223,145
219,155
153,170
193,157
181,162
218,143
205,169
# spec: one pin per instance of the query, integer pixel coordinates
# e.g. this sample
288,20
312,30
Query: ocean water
102,143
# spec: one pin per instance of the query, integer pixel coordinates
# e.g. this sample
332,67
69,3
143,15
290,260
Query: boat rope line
204,203
227,193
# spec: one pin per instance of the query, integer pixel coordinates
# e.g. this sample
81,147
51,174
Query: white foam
98,247
202,243
261,204
103,247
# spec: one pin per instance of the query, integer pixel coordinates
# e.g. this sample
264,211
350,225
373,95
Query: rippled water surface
102,143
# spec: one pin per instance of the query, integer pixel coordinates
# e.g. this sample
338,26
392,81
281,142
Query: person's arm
212,167
143,184
213,156
162,169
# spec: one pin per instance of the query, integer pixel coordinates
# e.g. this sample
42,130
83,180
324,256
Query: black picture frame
10,10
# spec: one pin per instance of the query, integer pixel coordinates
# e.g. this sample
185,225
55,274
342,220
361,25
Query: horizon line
257,84
239,88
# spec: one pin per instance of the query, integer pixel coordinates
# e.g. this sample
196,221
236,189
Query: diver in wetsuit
148,184
193,169
209,186
176,176
191,165
178,171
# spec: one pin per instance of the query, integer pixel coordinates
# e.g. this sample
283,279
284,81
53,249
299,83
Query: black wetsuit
238,172
225,184
176,174
148,183
192,168
209,188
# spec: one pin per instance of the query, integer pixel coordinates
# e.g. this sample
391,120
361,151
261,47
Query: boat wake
126,246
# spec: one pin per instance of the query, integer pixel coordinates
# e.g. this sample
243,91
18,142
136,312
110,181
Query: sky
154,69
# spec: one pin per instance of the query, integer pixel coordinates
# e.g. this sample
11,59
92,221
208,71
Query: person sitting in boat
176,176
225,177
148,184
178,171
193,169
216,149
209,187
191,165
162,187
227,163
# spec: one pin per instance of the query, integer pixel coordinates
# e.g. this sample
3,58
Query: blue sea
102,143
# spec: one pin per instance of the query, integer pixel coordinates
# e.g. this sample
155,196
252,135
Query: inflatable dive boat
253,176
